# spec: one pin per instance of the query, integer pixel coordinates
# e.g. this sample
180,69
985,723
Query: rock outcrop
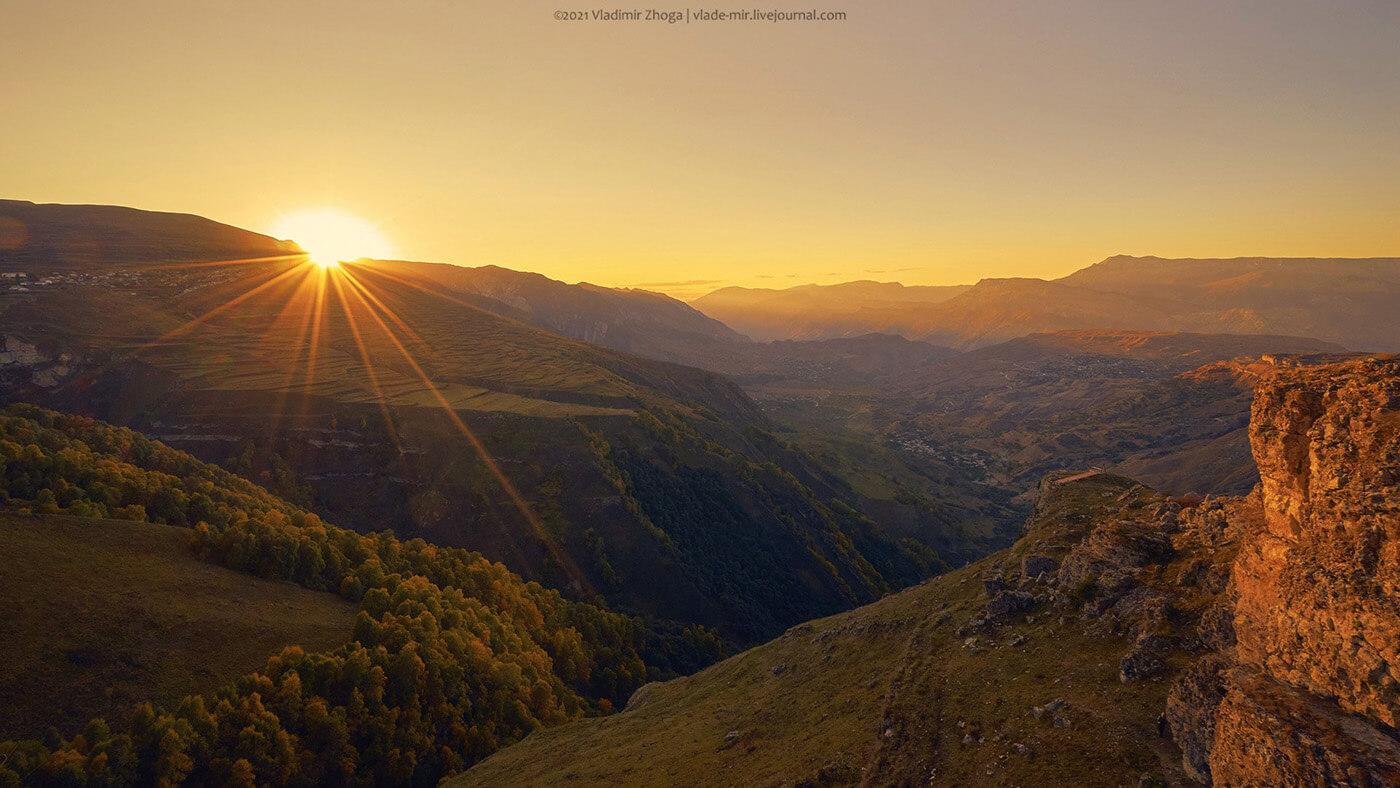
1309,693
1319,588
1258,632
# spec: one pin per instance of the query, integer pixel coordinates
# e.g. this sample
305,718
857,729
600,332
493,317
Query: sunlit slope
249,327
450,656
905,691
382,401
101,615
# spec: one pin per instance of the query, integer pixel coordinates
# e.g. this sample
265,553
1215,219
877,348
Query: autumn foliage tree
452,656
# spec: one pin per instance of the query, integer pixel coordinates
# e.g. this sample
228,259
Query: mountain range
657,487
1336,300
1018,532
1125,639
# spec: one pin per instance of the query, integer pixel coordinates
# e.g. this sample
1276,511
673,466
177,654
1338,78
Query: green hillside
101,615
450,657
982,676
417,411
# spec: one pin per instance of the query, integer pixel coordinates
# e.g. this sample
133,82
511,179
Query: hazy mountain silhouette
637,321
655,486
1347,301
66,236
821,311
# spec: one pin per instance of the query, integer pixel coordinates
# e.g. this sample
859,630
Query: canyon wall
1310,693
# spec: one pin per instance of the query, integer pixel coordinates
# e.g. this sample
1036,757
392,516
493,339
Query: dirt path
910,720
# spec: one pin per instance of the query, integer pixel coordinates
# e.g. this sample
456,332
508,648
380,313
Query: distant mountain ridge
444,414
67,236
1348,301
820,311
635,321
1140,275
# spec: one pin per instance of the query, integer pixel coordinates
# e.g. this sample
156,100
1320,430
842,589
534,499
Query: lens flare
309,299
331,237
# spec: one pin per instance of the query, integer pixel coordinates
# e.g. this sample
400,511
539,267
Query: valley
377,400
879,395
1124,639
986,421
894,693
783,558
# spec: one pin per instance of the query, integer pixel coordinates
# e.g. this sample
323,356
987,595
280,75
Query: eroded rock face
1306,688
1268,733
1319,587
1191,708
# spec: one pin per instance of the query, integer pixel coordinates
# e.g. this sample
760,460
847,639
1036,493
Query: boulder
1009,603
1034,566
993,583
1140,663
1142,610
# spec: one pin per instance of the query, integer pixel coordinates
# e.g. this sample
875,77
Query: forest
452,657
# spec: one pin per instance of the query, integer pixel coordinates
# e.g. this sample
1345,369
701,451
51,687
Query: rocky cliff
1310,692
1127,638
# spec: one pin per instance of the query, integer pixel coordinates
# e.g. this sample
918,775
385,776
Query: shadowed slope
68,236
101,615
385,400
901,692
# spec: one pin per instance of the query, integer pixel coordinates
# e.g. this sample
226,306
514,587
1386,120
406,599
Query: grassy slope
888,690
239,379
480,361
908,494
480,656
100,615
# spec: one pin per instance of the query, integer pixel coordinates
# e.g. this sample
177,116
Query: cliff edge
1310,692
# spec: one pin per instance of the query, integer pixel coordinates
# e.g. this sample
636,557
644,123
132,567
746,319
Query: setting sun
330,236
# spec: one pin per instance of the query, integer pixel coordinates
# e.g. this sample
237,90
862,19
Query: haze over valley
621,446
874,395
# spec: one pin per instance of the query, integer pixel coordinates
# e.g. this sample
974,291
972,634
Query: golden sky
921,141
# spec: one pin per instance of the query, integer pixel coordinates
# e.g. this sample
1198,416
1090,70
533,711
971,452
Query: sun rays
302,309
331,237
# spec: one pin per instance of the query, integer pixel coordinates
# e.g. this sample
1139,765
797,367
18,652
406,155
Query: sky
920,141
